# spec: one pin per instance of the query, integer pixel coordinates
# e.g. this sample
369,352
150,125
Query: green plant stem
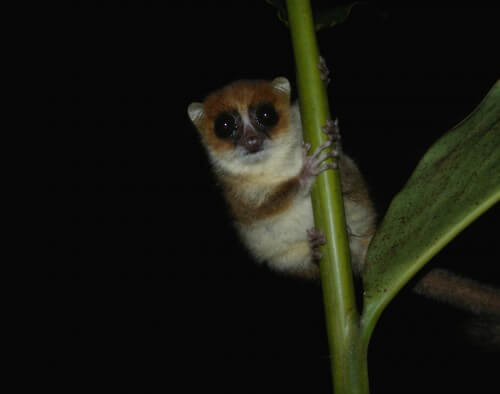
348,355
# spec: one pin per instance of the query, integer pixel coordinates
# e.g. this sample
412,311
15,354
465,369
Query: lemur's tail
471,296
460,292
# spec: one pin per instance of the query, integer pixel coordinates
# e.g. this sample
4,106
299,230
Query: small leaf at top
281,7
334,16
323,18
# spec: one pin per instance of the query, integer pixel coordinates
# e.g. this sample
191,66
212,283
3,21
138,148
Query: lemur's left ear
282,84
195,112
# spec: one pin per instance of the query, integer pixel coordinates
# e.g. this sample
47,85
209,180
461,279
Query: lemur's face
243,118
249,128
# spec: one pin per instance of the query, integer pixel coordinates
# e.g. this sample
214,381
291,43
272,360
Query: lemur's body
254,140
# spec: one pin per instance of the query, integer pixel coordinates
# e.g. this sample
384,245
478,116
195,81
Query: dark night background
149,289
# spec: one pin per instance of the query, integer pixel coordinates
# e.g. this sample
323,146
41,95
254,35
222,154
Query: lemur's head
242,122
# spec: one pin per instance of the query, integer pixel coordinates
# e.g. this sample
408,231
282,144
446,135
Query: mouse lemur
253,136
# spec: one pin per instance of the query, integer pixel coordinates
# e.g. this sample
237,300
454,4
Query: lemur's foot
315,164
315,239
324,72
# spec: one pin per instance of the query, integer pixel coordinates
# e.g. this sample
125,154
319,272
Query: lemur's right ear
282,84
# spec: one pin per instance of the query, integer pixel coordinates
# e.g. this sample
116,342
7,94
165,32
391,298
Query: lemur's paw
316,239
314,164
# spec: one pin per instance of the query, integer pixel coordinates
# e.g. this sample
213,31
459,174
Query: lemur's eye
225,125
266,115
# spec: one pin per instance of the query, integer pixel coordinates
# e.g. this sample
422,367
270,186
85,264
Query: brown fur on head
239,96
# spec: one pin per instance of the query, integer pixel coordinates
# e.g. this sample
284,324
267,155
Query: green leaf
334,16
281,7
322,18
456,181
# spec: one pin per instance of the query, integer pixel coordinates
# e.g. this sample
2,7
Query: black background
149,289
